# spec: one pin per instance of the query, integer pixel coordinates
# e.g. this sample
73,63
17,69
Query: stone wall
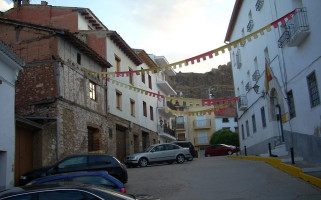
219,82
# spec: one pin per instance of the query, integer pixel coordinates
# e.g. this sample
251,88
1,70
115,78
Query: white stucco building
10,65
165,120
293,53
227,120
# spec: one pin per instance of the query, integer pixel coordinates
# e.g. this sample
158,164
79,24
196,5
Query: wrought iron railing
250,26
202,123
256,75
242,103
248,86
165,129
259,5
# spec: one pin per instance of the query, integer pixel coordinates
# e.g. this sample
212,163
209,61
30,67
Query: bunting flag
215,110
204,56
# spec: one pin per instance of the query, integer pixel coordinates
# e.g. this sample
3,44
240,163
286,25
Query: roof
6,50
227,112
70,37
235,13
145,57
115,37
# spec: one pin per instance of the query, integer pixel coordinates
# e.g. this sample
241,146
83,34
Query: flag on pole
268,76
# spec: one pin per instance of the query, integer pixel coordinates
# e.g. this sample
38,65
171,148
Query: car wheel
229,152
180,159
143,162
207,155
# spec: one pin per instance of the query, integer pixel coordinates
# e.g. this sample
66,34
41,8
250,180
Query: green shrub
225,136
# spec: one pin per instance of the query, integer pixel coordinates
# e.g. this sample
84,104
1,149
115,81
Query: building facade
287,108
10,65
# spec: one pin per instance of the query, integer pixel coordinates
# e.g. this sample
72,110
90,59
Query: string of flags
203,56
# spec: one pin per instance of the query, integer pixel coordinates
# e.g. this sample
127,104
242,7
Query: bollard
270,150
245,151
292,155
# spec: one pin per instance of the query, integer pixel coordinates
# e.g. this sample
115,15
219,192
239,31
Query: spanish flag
268,76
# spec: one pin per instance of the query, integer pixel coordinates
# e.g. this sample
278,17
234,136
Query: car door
75,163
158,153
220,150
172,151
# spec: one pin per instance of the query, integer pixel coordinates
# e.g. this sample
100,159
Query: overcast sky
176,29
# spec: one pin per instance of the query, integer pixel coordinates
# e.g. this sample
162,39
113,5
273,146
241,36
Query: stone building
53,91
218,82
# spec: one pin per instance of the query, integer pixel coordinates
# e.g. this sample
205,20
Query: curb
295,171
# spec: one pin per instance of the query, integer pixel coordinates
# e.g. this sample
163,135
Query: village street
218,178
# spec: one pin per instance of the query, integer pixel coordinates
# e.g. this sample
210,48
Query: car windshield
149,148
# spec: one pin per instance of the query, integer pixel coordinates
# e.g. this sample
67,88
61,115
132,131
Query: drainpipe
280,119
57,131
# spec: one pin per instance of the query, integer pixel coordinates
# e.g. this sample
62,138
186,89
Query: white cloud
4,5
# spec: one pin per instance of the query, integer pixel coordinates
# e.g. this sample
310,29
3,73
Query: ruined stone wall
219,82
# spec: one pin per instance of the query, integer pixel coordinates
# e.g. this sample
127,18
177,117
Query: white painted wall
220,124
9,72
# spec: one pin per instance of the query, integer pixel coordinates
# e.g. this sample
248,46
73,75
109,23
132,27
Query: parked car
189,145
220,149
101,178
85,162
66,191
159,153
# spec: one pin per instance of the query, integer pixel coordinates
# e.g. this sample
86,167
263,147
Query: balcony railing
242,103
259,5
238,60
248,86
203,123
296,29
165,129
180,126
250,26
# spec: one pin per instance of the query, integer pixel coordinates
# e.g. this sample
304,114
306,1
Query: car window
95,180
21,197
100,159
171,147
74,162
54,180
159,148
65,195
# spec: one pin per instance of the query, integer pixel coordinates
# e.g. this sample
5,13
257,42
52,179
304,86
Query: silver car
159,153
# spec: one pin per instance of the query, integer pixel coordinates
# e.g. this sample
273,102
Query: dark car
101,178
189,145
85,162
63,191
220,149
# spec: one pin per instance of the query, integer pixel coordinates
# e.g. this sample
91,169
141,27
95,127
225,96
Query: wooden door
121,143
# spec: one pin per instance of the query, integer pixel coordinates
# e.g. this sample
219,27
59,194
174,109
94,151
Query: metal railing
259,5
248,86
296,29
165,129
250,26
203,123
256,75
242,103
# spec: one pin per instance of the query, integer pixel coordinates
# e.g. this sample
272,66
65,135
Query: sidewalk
309,172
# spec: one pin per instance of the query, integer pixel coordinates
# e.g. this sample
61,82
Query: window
118,99
144,108
94,180
253,123
132,107
247,128
151,111
225,120
291,104
131,77
92,90
143,76
180,120
243,136
79,58
117,64
202,137
74,162
263,117
93,139
21,197
150,82
313,90
65,195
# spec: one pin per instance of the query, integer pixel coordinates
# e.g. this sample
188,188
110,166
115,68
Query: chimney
18,3
44,3
25,2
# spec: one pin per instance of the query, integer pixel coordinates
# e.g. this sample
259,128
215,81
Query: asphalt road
219,178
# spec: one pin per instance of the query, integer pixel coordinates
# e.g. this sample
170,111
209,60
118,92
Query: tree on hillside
225,136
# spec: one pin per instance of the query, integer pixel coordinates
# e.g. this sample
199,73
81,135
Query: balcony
250,26
161,108
242,103
296,29
165,131
180,126
256,75
202,124
164,85
259,5
238,60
